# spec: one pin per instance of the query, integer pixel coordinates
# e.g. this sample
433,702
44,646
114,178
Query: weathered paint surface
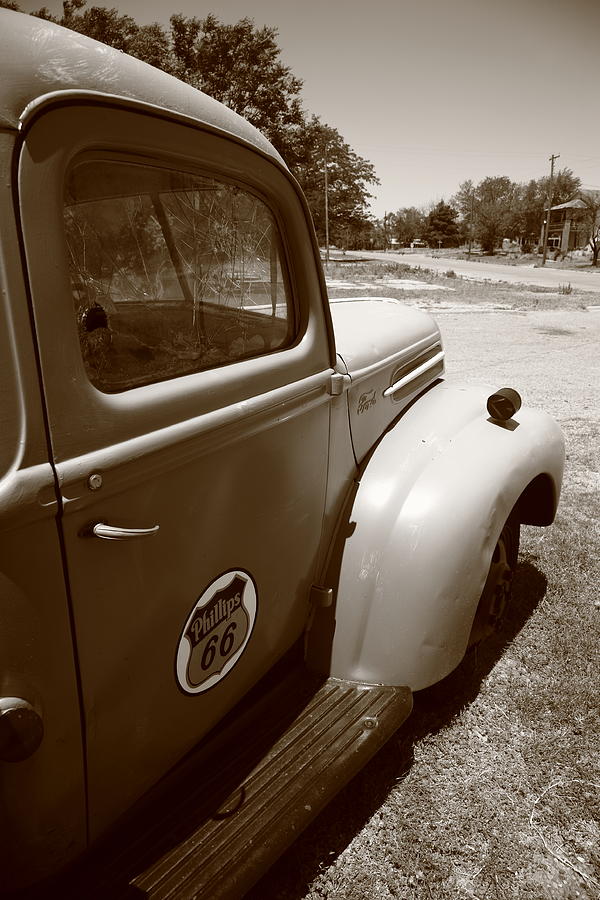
246,468
428,510
378,341
41,58
42,798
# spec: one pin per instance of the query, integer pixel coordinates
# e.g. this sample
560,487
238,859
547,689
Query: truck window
171,273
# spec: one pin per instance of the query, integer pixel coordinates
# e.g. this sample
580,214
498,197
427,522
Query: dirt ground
551,357
585,278
386,835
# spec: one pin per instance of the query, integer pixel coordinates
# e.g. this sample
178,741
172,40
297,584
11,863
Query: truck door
185,365
42,791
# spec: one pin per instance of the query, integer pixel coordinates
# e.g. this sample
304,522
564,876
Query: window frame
66,128
131,159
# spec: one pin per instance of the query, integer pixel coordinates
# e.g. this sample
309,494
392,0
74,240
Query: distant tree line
498,208
240,65
487,212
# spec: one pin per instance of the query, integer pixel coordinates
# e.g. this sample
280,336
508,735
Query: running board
242,808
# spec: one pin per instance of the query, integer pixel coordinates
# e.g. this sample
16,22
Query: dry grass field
442,291
491,790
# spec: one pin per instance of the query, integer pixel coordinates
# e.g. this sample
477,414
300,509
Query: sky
434,92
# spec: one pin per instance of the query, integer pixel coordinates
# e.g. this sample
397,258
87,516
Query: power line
412,148
589,162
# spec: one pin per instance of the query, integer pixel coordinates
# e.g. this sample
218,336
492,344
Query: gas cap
21,729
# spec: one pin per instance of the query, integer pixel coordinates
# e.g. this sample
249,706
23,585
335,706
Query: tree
498,207
150,43
494,210
349,176
240,65
464,202
441,229
530,213
564,186
490,208
408,225
102,24
534,199
591,218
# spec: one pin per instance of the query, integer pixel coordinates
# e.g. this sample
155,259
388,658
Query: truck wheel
497,590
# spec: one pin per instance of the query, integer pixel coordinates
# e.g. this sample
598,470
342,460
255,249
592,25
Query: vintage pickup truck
239,527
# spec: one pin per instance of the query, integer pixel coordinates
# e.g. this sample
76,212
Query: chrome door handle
112,533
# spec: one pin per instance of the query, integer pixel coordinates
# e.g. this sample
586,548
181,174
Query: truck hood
391,353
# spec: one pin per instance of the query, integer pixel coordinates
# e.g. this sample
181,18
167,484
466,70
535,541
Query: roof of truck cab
41,61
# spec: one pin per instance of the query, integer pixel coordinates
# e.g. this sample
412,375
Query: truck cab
212,482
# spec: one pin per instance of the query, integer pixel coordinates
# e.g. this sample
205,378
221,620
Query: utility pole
550,199
326,214
471,224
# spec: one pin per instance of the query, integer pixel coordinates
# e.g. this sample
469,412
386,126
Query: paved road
546,277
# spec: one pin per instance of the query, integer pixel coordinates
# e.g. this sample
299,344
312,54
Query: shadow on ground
434,708
290,878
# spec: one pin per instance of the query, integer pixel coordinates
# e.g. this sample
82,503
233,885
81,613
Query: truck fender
415,544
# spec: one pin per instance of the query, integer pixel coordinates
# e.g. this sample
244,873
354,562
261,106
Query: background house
570,227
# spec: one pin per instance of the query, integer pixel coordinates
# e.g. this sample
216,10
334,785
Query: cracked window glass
171,273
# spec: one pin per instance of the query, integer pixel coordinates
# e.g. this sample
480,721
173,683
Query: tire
497,592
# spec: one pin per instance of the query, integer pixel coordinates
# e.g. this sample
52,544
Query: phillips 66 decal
216,632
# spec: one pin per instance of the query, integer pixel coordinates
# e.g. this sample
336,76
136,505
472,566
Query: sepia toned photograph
300,450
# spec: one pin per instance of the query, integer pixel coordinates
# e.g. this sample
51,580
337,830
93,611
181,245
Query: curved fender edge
413,551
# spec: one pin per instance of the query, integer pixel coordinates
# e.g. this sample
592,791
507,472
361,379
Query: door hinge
337,382
321,596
